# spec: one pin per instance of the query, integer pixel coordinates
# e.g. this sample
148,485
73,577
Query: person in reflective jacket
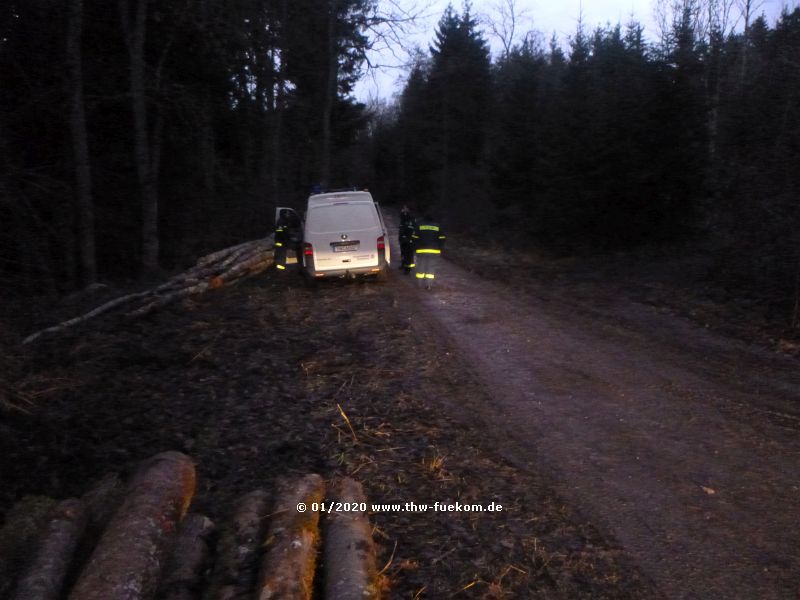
406,240
287,235
428,245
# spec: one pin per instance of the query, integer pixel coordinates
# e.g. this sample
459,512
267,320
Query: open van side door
278,210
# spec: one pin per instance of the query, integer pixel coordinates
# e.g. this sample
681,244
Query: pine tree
515,135
459,86
418,158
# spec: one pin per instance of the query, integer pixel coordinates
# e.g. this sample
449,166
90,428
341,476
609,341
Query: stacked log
238,549
148,550
212,271
19,536
45,575
128,559
102,501
287,571
350,571
186,570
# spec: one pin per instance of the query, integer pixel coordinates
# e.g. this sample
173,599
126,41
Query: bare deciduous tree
389,25
747,9
505,21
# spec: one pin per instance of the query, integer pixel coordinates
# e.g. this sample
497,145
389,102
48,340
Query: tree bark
287,571
212,271
80,146
102,501
90,315
45,574
350,571
21,528
237,554
127,562
184,572
135,36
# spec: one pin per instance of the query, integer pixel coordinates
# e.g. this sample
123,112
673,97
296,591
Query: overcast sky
544,16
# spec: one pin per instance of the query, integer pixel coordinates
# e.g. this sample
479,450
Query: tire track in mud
640,431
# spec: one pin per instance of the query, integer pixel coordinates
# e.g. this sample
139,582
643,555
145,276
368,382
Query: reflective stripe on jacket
280,234
406,231
428,238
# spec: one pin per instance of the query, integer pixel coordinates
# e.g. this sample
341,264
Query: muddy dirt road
630,449
274,378
682,444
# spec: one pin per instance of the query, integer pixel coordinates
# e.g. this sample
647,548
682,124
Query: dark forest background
137,135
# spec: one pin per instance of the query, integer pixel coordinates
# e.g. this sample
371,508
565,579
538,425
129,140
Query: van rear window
335,218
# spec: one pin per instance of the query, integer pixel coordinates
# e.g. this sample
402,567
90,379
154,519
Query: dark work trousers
280,256
298,253
425,271
407,254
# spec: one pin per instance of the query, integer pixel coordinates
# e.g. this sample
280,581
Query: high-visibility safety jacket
428,238
280,234
406,231
287,233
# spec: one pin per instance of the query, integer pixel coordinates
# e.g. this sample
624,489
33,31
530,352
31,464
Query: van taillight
381,243
308,249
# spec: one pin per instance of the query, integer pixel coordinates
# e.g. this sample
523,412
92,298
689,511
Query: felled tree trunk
127,562
23,525
44,576
212,271
184,572
238,549
350,572
287,571
85,317
102,501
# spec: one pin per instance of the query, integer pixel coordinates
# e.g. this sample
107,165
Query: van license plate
350,247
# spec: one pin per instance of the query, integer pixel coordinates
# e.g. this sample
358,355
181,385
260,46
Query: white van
344,235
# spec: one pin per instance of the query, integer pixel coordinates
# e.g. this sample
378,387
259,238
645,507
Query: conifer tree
459,87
